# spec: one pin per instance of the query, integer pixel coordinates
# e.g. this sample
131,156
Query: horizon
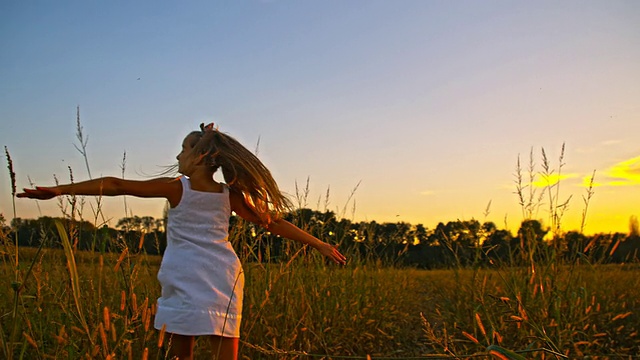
426,105
112,222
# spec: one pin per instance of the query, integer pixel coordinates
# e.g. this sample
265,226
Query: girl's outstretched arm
168,188
286,229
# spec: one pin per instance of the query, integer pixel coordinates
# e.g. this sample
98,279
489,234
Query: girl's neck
203,181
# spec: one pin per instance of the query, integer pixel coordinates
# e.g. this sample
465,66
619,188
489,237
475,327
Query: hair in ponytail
242,171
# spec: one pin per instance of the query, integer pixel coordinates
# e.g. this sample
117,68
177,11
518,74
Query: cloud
551,179
427,192
598,147
625,173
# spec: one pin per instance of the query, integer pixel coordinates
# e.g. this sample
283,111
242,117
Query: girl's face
186,160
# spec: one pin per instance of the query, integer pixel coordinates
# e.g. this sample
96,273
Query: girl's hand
331,251
40,193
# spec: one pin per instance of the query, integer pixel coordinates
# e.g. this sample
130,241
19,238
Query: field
70,304
305,309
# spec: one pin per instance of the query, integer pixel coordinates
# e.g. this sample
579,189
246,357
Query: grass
305,307
69,304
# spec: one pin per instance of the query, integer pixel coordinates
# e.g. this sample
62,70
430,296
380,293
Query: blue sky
426,104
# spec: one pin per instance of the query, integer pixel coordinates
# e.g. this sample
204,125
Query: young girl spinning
200,274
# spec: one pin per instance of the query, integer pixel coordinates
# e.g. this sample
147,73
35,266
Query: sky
412,111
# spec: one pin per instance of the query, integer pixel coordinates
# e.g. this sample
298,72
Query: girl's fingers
338,257
25,193
37,193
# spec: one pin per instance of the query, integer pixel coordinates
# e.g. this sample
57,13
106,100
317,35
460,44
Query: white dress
200,274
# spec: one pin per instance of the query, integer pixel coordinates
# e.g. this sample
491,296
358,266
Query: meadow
82,305
71,304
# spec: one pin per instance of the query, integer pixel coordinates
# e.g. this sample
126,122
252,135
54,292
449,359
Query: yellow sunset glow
544,180
625,173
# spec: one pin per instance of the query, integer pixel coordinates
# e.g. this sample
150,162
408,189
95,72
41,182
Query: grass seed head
12,173
480,325
30,340
134,302
107,317
161,336
114,333
470,337
103,336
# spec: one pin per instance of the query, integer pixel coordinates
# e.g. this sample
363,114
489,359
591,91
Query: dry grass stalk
470,337
61,337
161,335
106,317
621,316
134,302
12,173
141,242
103,337
124,253
123,299
480,325
73,274
114,333
30,340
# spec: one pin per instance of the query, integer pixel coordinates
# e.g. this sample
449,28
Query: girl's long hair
243,172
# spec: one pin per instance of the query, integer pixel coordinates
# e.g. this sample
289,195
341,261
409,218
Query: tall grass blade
73,274
504,354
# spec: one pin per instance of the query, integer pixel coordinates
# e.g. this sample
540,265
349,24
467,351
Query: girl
200,274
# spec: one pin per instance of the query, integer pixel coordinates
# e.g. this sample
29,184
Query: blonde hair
242,171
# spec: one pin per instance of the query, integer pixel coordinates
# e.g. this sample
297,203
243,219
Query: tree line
451,244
